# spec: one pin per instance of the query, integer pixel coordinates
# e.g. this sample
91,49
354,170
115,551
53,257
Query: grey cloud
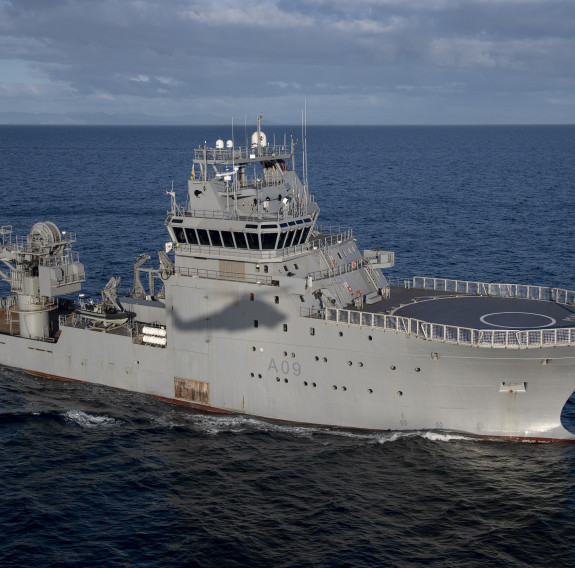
150,55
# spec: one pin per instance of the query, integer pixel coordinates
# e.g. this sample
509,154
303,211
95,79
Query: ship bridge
244,199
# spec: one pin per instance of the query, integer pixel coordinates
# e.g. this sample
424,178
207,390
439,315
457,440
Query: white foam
444,437
214,424
86,420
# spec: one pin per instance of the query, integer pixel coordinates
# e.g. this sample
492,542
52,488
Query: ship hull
308,370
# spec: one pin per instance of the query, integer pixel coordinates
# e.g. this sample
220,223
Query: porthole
370,391
285,381
417,369
334,387
305,383
253,348
343,388
293,355
252,375
316,358
285,353
259,376
392,367
399,393
325,359
313,385
341,333
350,363
278,379
360,364
370,338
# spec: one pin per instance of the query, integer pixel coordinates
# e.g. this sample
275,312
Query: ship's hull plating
306,370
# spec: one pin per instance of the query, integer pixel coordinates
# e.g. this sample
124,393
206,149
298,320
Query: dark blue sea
92,476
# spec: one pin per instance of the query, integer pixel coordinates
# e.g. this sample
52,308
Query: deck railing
563,296
522,291
514,339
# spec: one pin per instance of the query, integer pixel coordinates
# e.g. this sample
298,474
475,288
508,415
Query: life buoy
349,289
359,293
354,265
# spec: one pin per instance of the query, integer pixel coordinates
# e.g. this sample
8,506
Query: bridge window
291,241
297,236
179,232
253,240
216,239
269,240
283,239
203,237
228,239
191,235
240,240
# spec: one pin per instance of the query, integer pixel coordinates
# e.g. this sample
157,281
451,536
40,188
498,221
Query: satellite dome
262,139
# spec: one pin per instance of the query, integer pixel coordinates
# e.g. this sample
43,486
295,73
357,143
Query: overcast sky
349,61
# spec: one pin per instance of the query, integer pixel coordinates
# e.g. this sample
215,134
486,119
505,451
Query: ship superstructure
256,308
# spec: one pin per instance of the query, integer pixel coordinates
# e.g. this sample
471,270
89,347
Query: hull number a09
286,368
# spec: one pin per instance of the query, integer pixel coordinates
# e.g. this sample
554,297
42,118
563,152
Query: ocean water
92,476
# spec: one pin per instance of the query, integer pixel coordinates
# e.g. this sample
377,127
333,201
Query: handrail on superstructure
228,276
233,215
241,154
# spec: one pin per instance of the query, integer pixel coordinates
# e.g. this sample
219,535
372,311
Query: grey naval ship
255,308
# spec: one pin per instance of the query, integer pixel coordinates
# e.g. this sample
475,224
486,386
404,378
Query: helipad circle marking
484,317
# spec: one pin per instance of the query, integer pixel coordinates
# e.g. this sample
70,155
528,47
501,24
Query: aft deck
506,316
